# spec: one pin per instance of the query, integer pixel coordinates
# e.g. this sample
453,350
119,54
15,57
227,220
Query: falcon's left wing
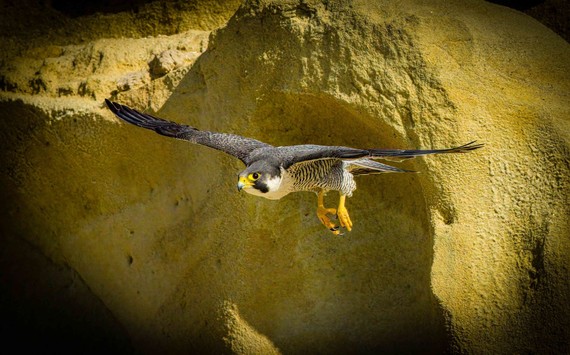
301,153
238,146
401,154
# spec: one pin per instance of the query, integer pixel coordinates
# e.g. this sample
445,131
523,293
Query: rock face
149,240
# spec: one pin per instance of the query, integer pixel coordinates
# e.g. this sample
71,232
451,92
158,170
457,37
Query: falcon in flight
273,172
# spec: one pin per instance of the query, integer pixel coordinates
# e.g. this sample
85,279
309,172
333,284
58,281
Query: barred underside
326,174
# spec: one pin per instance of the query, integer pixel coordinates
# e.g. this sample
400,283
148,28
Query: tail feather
367,166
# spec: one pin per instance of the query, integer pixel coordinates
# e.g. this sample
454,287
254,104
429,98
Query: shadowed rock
470,255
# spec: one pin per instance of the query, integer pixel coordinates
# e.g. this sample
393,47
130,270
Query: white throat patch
277,189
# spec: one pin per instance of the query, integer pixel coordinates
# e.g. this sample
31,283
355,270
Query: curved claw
322,213
341,213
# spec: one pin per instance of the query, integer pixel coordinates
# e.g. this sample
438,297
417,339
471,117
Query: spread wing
238,146
302,153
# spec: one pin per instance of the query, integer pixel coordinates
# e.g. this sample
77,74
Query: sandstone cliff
117,238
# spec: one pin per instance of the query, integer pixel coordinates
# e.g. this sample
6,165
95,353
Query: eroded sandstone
470,255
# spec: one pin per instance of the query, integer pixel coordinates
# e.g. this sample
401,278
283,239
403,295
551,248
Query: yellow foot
322,213
344,218
342,214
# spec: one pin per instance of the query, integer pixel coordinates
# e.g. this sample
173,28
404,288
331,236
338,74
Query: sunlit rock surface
141,243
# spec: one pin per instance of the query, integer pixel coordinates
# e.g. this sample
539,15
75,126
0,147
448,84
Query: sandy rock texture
115,238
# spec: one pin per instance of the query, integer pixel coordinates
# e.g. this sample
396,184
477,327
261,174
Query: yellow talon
322,213
342,214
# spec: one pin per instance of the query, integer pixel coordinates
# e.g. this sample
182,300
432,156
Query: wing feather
238,146
301,153
401,154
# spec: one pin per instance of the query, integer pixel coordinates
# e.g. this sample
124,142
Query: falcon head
260,179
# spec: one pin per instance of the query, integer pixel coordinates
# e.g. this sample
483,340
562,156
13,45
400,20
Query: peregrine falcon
273,172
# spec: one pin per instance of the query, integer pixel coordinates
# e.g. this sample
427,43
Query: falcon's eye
254,176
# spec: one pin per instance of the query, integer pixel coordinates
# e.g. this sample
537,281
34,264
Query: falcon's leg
322,212
342,214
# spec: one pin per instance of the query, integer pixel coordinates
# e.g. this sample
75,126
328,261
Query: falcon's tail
401,154
367,166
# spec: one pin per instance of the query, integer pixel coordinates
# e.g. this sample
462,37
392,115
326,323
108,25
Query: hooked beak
243,183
